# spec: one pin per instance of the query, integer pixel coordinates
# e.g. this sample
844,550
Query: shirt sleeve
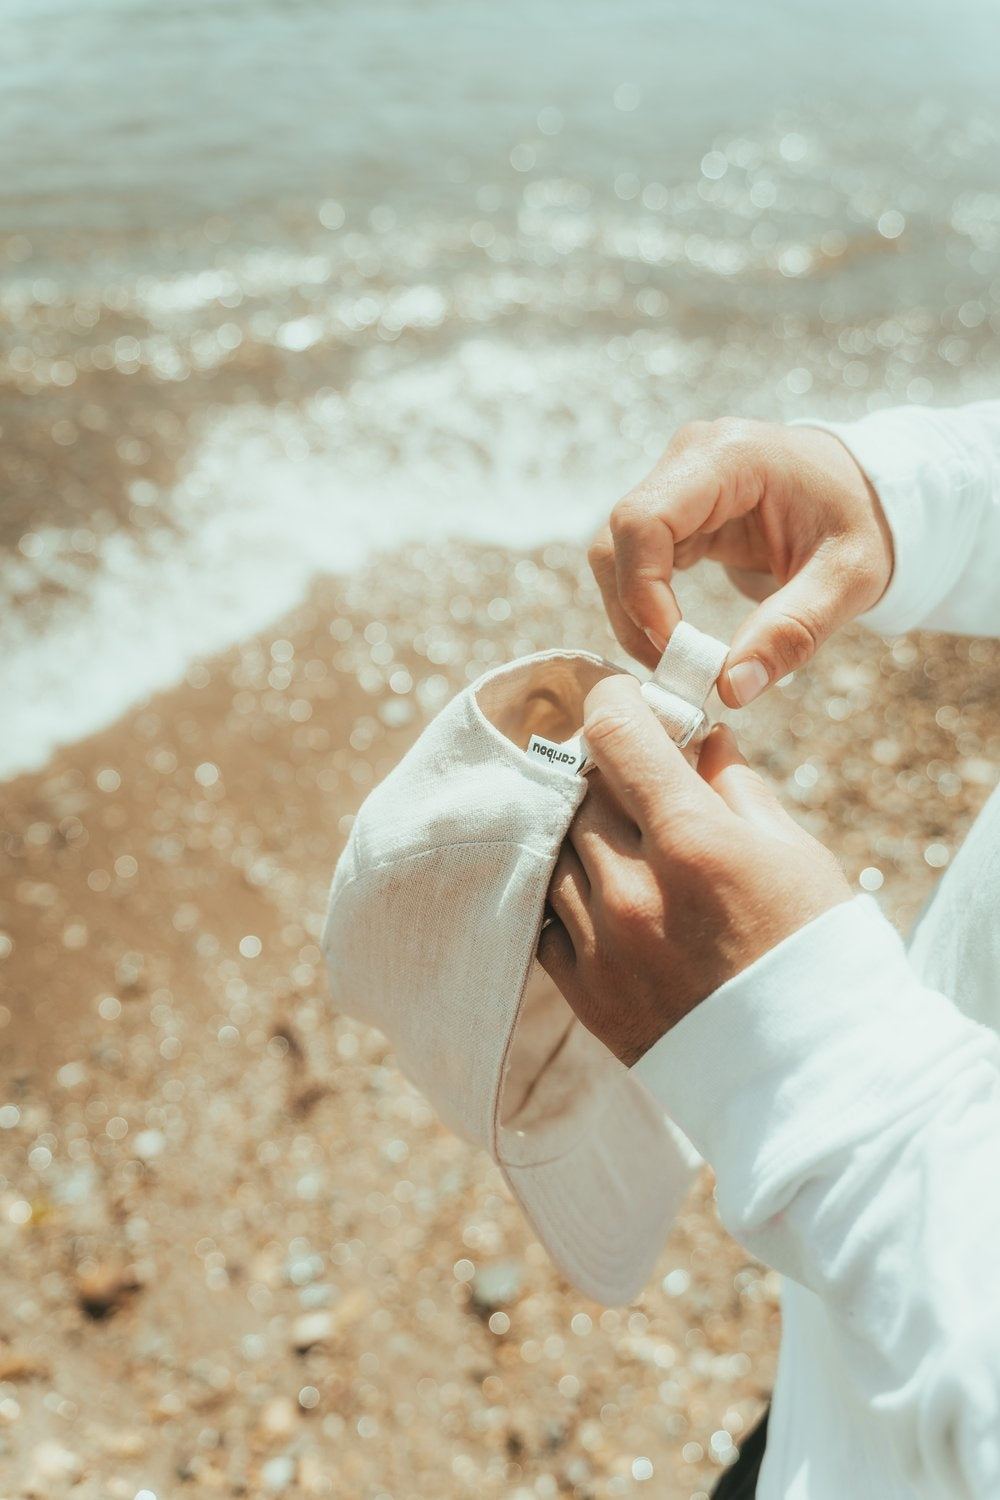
852,1118
936,471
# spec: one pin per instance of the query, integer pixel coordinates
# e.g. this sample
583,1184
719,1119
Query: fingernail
657,641
748,679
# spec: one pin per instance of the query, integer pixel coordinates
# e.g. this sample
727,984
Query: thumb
641,765
744,792
791,624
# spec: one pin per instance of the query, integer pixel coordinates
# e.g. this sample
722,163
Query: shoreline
205,1158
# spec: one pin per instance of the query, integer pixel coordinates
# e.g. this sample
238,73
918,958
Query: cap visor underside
604,1207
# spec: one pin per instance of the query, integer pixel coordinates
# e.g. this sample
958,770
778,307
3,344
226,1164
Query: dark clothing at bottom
739,1481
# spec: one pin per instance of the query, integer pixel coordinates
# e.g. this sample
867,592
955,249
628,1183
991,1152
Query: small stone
278,1473
279,1419
312,1328
209,1478
556,1434
104,1290
314,1475
79,1186
18,1364
302,1269
322,1326
149,1143
51,1461
497,1284
214,1479
124,1444
319,1294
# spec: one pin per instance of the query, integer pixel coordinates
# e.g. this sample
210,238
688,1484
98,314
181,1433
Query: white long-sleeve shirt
846,1089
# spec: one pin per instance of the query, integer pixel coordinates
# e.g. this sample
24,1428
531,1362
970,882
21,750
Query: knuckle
740,460
793,640
551,951
857,574
601,557
731,454
677,834
590,957
607,727
600,548
691,435
628,516
741,457
638,511
734,434
629,907
635,588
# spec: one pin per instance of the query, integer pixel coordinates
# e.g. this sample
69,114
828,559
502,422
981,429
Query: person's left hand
671,880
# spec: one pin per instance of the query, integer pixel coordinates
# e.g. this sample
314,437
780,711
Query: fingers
709,475
646,527
569,892
768,503
790,625
557,958
601,557
644,561
745,793
645,771
601,831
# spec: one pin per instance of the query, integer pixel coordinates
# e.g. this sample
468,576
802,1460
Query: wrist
863,516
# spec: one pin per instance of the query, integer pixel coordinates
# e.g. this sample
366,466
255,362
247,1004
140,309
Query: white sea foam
487,443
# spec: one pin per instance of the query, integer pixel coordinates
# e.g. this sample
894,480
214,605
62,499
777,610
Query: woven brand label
568,757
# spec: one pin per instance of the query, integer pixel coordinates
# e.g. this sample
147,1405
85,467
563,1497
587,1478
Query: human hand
789,514
671,880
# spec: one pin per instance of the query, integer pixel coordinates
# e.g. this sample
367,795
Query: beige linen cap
434,916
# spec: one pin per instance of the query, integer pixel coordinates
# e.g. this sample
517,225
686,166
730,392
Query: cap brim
604,1207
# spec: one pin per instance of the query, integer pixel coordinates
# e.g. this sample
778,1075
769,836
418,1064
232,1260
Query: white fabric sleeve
937,473
852,1118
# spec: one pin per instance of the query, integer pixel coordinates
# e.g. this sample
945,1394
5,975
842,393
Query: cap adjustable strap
683,679
676,692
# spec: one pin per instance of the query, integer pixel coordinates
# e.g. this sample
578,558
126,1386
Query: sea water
286,285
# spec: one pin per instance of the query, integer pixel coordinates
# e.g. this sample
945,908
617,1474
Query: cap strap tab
681,720
683,679
690,664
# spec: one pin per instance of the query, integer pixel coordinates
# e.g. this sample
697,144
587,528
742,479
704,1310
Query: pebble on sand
326,1324
103,1290
497,1284
51,1463
278,1473
312,1328
279,1419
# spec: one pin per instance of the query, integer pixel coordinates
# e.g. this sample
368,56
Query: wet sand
238,1253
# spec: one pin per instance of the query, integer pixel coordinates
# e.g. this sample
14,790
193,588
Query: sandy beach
239,1253
327,335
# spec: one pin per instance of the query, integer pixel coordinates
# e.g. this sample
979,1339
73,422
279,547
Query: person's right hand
789,514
